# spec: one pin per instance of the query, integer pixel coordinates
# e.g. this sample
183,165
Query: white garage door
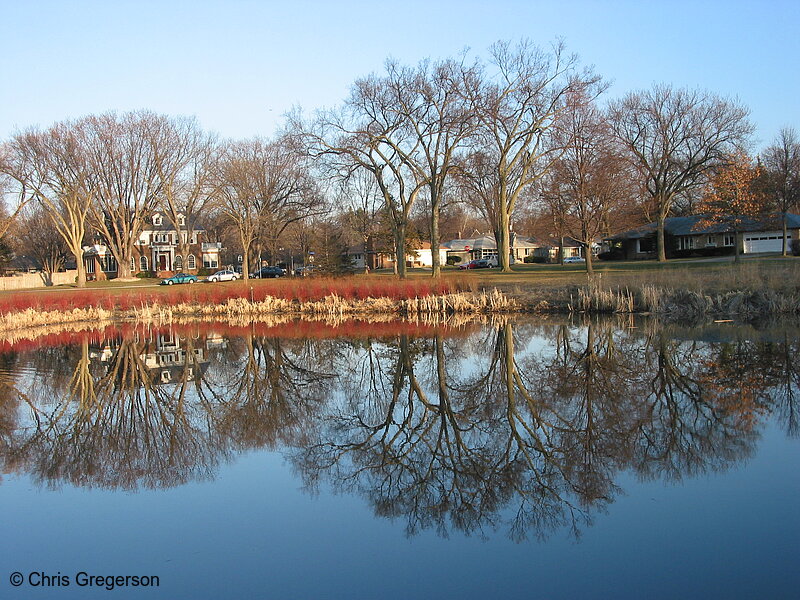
768,241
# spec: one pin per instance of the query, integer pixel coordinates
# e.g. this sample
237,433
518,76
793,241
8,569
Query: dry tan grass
33,318
430,308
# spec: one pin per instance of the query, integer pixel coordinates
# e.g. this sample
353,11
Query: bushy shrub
453,260
534,259
795,247
613,254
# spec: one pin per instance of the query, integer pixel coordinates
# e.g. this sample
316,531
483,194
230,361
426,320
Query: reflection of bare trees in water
133,420
531,442
518,427
116,427
269,393
783,367
456,452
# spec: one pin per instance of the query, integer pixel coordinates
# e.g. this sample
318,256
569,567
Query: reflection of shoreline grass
268,326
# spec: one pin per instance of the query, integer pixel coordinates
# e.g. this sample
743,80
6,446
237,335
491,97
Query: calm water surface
514,459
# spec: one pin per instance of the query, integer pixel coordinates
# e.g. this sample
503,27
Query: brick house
156,252
692,236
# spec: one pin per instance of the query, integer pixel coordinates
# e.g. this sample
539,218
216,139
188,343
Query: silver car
225,275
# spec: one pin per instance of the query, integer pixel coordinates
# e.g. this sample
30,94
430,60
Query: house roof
487,242
695,225
554,242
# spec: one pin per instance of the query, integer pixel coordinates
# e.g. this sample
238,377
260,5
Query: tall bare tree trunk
662,254
503,243
783,239
400,250
435,263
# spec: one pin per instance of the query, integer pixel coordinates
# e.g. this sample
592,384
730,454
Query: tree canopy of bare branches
52,167
519,104
590,181
782,164
123,153
263,187
675,138
184,158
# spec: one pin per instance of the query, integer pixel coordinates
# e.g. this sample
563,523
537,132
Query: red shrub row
302,290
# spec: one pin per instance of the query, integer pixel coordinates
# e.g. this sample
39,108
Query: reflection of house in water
215,341
167,358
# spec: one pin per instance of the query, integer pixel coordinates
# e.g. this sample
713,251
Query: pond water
508,459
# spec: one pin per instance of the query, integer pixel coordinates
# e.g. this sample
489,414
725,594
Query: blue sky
239,66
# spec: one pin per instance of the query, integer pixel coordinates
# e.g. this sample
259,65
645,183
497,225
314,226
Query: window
685,243
90,266
727,239
711,241
108,263
178,263
143,263
646,245
156,219
181,220
133,265
210,261
190,262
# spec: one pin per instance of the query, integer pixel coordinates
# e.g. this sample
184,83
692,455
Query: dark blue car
268,272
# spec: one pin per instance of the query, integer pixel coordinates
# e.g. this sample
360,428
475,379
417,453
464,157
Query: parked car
478,263
305,271
574,259
224,275
268,272
179,278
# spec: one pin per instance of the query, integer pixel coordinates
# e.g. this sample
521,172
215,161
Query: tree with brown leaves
732,197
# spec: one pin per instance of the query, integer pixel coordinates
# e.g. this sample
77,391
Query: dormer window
181,220
157,220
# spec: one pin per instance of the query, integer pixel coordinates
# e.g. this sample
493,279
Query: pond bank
669,305
672,305
239,309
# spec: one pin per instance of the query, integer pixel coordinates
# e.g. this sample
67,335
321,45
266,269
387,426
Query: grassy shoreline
688,291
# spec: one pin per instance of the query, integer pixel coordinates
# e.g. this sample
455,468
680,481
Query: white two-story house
157,251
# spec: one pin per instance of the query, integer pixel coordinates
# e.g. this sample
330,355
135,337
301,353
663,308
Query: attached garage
765,241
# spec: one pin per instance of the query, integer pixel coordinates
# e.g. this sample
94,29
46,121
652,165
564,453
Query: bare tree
52,167
33,236
263,187
518,107
590,179
782,163
123,155
237,194
369,133
183,156
289,191
433,102
361,203
675,138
